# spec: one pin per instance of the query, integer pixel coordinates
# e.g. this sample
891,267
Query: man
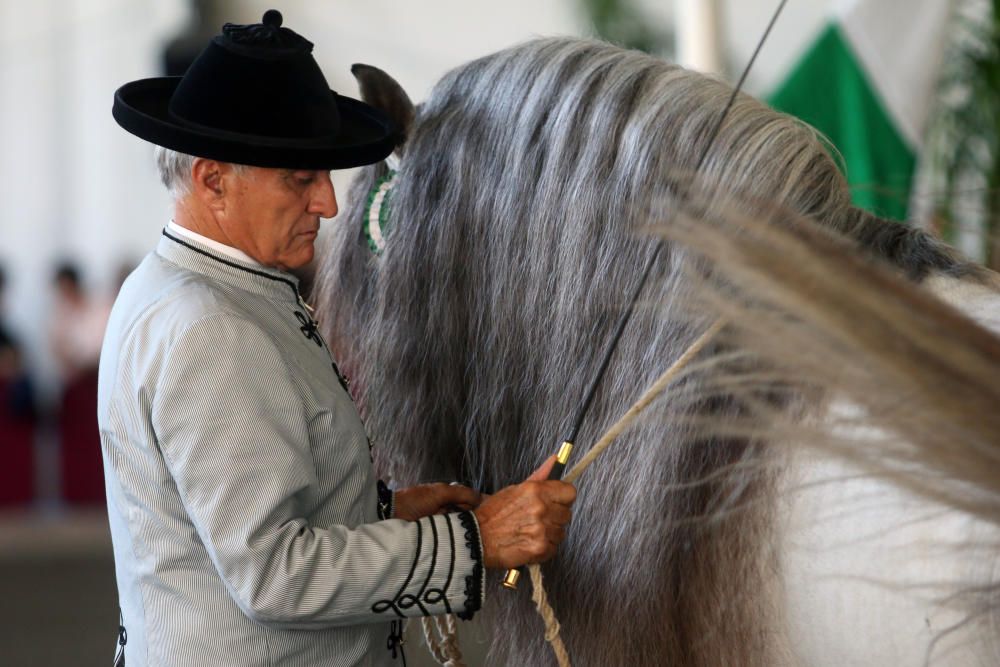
244,511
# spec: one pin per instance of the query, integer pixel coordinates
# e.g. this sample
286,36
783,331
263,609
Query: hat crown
260,80
264,39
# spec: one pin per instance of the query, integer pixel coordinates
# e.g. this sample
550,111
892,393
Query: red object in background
80,442
17,453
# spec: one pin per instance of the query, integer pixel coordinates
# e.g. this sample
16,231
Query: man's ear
383,92
207,180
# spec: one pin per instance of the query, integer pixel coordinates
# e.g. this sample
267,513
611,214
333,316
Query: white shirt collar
222,248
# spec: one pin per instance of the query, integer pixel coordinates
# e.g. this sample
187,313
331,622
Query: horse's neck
978,300
867,566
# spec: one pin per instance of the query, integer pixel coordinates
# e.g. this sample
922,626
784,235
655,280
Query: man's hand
427,499
525,523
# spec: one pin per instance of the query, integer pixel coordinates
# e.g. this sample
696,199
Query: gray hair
526,177
175,170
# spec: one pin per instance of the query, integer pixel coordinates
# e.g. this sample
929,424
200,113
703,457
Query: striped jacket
241,495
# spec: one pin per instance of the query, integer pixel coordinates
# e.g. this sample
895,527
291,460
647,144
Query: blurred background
81,203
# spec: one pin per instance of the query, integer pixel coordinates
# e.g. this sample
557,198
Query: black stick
510,580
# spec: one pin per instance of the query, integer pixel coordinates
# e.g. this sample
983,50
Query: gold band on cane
564,451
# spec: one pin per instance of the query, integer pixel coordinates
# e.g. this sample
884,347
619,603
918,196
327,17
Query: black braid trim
474,582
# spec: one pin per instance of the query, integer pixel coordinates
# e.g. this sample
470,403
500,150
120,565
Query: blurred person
17,416
247,521
77,329
78,322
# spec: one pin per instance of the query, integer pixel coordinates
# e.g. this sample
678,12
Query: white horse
511,235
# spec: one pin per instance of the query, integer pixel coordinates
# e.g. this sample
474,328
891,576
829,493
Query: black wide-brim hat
256,96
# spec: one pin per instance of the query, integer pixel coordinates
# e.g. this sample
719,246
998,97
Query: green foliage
963,143
622,22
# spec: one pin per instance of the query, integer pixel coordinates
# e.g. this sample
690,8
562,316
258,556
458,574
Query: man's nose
324,200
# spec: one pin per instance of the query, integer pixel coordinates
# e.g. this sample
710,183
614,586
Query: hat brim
365,137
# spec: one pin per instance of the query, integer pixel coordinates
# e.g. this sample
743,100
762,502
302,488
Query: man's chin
298,260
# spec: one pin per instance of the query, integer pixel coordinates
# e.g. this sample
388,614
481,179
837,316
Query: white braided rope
441,636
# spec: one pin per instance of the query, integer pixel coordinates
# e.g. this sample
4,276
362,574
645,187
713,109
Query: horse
471,303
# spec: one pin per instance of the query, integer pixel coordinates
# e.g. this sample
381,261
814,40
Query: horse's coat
524,180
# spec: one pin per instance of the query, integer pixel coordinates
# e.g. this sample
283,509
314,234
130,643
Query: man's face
273,214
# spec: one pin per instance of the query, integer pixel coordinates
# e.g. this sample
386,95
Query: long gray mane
527,180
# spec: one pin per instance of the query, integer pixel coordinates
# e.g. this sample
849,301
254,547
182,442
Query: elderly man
248,526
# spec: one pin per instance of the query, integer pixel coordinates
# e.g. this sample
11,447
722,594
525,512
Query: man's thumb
543,471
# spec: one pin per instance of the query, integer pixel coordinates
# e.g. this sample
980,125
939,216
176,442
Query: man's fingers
560,514
460,496
543,472
524,523
560,492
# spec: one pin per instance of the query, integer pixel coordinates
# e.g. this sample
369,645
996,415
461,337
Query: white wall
73,184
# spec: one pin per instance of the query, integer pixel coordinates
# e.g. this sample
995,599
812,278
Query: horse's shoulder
868,566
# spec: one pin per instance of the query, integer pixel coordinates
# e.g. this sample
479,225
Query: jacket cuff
445,575
475,582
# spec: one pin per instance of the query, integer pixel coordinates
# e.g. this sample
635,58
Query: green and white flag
868,83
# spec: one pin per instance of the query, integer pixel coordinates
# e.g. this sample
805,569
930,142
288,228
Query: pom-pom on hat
256,96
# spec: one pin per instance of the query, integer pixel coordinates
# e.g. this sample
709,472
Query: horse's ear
385,94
